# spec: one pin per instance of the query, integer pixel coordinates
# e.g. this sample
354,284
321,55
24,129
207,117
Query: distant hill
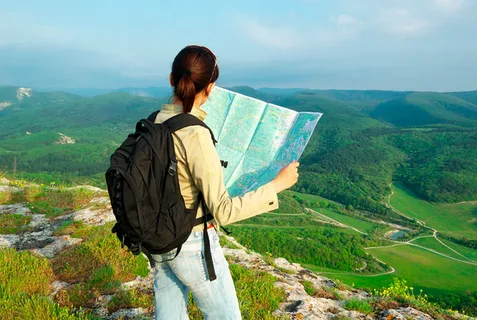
158,92
251,92
470,96
362,143
39,111
361,98
418,109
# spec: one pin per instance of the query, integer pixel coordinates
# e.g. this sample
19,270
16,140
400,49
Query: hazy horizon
102,90
374,45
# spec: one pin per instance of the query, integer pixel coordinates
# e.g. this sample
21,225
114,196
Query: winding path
434,232
396,243
328,220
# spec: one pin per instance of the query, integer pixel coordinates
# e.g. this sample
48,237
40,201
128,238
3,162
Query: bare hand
287,177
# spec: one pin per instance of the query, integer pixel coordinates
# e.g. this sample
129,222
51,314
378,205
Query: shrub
328,293
224,242
25,286
405,295
309,287
96,266
358,305
55,201
13,223
131,298
69,227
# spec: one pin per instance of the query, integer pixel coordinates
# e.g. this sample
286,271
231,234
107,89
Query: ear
209,88
171,81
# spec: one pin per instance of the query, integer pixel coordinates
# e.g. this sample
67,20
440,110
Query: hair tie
187,72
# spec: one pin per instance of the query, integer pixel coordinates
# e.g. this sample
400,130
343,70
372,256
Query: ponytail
185,91
193,69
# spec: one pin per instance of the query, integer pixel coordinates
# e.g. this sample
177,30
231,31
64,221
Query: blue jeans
173,280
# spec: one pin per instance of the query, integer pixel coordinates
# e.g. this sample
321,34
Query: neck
176,100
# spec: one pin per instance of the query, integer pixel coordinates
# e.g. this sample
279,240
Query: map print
256,138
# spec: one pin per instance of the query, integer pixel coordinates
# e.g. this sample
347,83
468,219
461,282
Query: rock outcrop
64,139
23,92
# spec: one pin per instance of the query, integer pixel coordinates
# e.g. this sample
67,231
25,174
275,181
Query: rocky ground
326,303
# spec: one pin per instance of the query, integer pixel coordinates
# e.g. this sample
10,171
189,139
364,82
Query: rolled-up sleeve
206,171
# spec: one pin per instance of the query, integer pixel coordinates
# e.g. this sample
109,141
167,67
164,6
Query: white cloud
401,22
20,29
449,5
275,37
345,20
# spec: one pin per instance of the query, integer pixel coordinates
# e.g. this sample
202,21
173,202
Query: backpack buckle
123,240
172,168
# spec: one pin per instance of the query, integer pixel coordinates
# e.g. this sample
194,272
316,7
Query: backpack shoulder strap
183,120
152,116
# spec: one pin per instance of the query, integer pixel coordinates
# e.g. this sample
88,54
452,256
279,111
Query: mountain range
364,140
388,181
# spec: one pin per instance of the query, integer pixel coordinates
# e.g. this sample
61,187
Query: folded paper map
256,138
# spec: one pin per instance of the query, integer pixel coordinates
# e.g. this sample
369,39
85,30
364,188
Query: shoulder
194,134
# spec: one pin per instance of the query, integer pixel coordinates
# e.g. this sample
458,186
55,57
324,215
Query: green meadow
433,244
422,269
362,225
458,220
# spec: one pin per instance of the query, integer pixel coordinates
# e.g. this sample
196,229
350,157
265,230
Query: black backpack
143,188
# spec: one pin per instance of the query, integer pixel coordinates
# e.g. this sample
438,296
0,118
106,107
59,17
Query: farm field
457,220
359,224
422,269
457,251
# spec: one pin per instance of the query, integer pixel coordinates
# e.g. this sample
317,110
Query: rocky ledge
327,302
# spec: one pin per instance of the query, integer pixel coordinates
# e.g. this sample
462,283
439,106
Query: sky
425,45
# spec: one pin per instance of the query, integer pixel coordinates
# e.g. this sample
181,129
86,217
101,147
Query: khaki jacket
199,168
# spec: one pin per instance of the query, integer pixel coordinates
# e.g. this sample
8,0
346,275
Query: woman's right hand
287,177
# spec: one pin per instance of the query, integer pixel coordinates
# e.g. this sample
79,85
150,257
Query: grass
25,286
313,198
24,272
465,251
309,287
56,201
224,242
257,295
131,298
318,227
400,293
13,223
70,227
328,293
96,266
422,269
341,317
433,244
271,261
362,306
362,225
5,197
457,220
49,200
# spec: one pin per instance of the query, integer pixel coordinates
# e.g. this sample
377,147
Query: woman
193,76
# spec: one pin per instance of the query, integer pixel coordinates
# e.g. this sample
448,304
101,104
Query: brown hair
193,69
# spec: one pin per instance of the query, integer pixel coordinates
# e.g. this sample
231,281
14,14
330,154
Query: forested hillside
426,140
364,140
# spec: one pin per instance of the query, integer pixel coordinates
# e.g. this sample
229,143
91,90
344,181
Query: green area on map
255,137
